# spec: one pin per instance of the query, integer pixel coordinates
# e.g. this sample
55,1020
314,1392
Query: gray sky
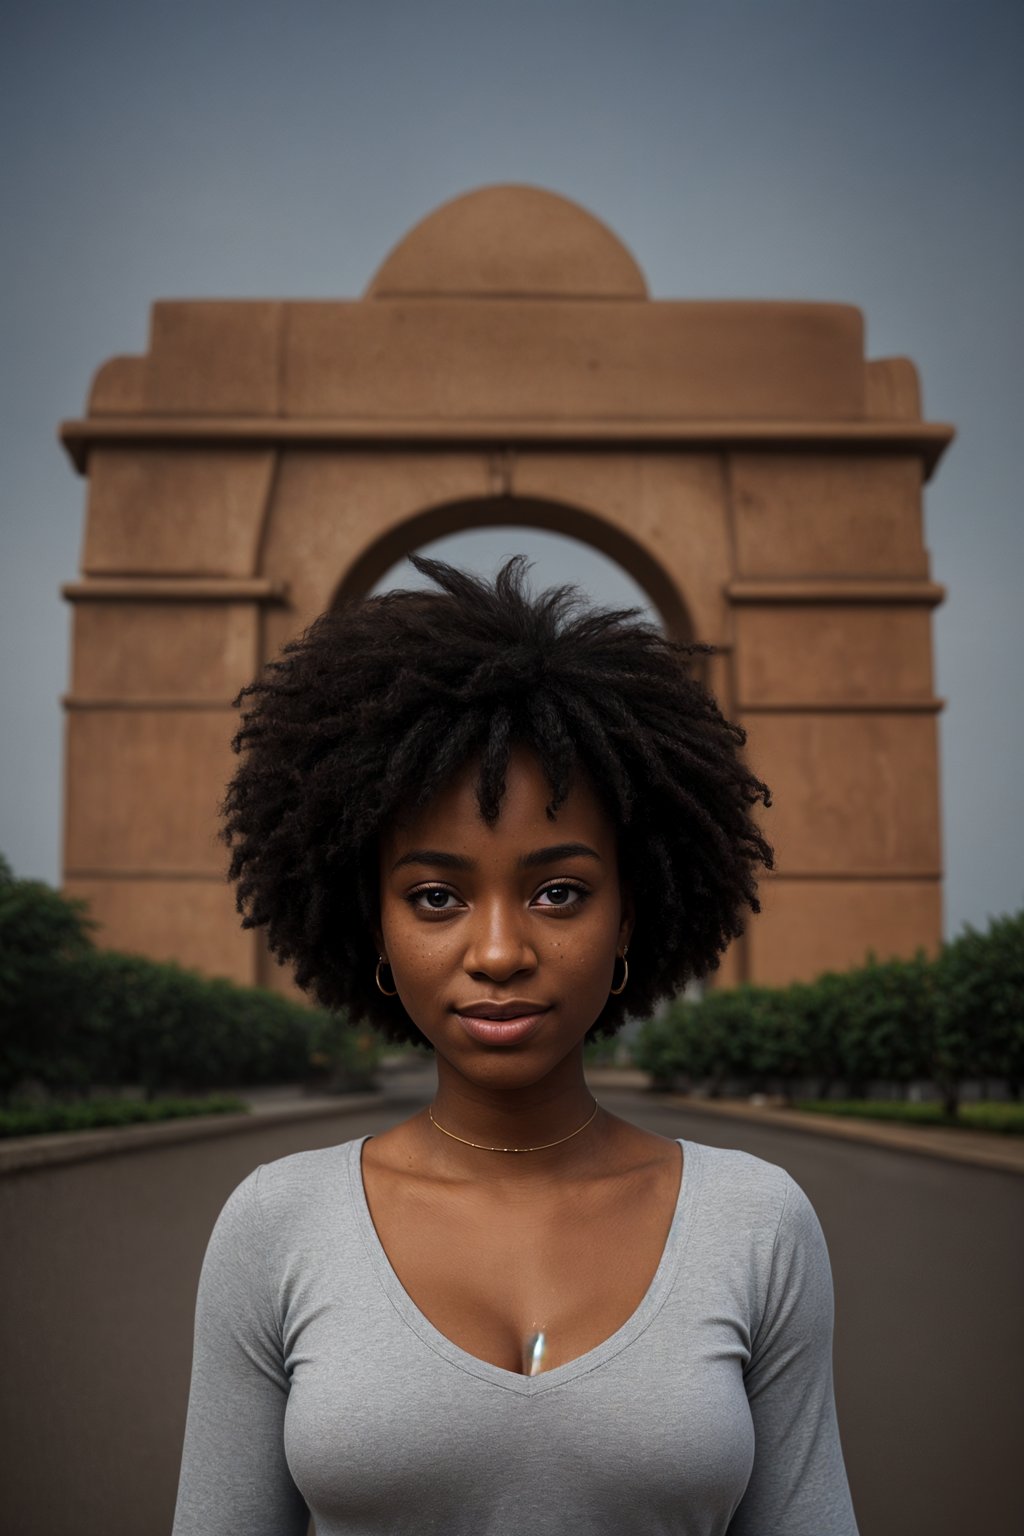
867,153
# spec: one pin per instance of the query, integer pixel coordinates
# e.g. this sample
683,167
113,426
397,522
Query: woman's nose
499,944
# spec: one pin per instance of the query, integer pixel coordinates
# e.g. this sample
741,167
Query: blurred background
799,150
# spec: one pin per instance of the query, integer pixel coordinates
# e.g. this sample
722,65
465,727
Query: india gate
744,462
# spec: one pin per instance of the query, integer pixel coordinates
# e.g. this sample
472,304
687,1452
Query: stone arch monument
743,462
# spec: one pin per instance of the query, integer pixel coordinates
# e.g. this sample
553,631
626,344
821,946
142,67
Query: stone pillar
167,627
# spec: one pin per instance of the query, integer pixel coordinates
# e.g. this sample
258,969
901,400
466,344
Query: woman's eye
434,898
563,895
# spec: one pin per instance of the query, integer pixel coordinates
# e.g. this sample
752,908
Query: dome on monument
509,242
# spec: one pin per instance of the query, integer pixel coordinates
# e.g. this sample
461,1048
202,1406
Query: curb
978,1149
20,1154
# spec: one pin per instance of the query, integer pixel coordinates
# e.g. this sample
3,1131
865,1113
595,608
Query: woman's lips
501,1031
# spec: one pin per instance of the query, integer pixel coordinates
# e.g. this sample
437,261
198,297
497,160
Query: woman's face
502,940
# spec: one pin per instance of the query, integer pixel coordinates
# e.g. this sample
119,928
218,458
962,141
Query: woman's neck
552,1124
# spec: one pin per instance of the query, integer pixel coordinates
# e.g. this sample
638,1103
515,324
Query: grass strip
43,1120
1003,1119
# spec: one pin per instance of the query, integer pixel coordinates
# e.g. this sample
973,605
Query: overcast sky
867,153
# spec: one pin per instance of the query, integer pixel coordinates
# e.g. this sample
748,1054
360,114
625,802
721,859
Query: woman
493,824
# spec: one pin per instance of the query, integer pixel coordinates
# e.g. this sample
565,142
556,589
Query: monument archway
743,462
513,512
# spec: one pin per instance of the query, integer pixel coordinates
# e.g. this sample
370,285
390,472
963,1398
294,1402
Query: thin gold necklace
479,1146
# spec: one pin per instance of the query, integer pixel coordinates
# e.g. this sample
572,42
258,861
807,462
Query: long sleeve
234,1477
798,1484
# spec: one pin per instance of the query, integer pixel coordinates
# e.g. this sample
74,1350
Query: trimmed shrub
979,1008
95,1114
777,1047
42,935
662,1045
1007,1119
172,1031
949,1020
875,1022
74,1018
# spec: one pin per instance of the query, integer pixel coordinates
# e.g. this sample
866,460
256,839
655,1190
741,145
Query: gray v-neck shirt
318,1385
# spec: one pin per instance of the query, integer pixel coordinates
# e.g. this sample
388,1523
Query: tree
41,931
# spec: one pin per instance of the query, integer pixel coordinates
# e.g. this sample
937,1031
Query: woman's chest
390,1428
492,1275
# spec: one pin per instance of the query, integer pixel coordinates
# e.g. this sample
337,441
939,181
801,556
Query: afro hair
383,700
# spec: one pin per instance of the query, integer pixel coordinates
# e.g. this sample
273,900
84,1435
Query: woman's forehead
454,812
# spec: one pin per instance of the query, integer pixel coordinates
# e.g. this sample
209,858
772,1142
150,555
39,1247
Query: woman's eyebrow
435,857
441,860
558,851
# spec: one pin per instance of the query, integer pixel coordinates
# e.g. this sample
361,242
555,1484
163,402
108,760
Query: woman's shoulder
291,1191
316,1169
758,1196
737,1169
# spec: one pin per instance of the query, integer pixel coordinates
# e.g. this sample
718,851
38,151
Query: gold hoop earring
380,988
618,991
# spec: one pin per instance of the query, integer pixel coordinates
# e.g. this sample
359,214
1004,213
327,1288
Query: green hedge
984,1115
958,1017
74,1019
43,936
93,1114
